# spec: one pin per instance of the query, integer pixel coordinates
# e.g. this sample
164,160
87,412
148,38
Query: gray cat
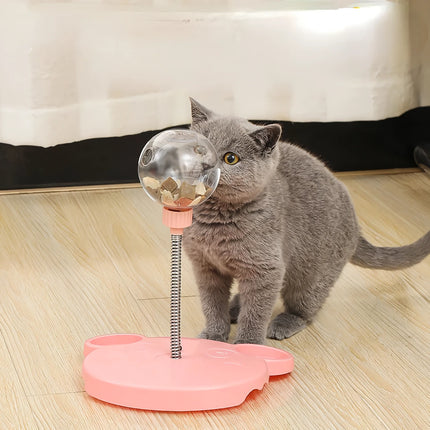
278,222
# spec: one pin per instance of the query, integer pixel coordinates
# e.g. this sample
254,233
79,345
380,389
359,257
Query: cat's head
248,154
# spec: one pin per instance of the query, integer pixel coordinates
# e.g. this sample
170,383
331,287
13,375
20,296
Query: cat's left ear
199,113
267,137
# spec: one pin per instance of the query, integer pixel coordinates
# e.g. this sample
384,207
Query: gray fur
280,223
369,256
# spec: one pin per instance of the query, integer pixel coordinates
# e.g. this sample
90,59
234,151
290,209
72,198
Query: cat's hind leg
302,300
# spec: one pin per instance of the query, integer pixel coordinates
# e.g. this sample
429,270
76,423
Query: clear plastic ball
179,168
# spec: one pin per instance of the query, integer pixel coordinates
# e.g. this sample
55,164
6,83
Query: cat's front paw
213,336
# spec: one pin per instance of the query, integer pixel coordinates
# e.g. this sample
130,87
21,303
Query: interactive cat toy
179,169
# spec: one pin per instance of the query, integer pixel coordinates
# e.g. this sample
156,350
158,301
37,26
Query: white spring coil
175,297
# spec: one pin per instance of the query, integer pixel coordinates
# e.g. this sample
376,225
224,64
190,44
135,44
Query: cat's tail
374,257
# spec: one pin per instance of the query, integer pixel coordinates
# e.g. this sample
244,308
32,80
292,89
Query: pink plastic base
137,372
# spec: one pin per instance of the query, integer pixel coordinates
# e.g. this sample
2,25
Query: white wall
72,70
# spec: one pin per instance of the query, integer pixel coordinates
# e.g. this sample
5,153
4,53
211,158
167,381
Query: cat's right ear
199,113
267,137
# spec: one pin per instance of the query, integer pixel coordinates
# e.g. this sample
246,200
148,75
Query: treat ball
179,168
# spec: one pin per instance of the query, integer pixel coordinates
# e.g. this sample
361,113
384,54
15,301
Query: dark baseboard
344,146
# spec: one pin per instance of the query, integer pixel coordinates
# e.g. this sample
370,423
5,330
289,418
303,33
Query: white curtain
77,69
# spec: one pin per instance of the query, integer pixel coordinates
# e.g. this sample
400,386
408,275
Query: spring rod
175,297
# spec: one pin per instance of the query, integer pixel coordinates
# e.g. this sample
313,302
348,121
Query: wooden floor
79,264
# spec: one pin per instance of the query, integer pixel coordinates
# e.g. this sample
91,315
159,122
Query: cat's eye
231,158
